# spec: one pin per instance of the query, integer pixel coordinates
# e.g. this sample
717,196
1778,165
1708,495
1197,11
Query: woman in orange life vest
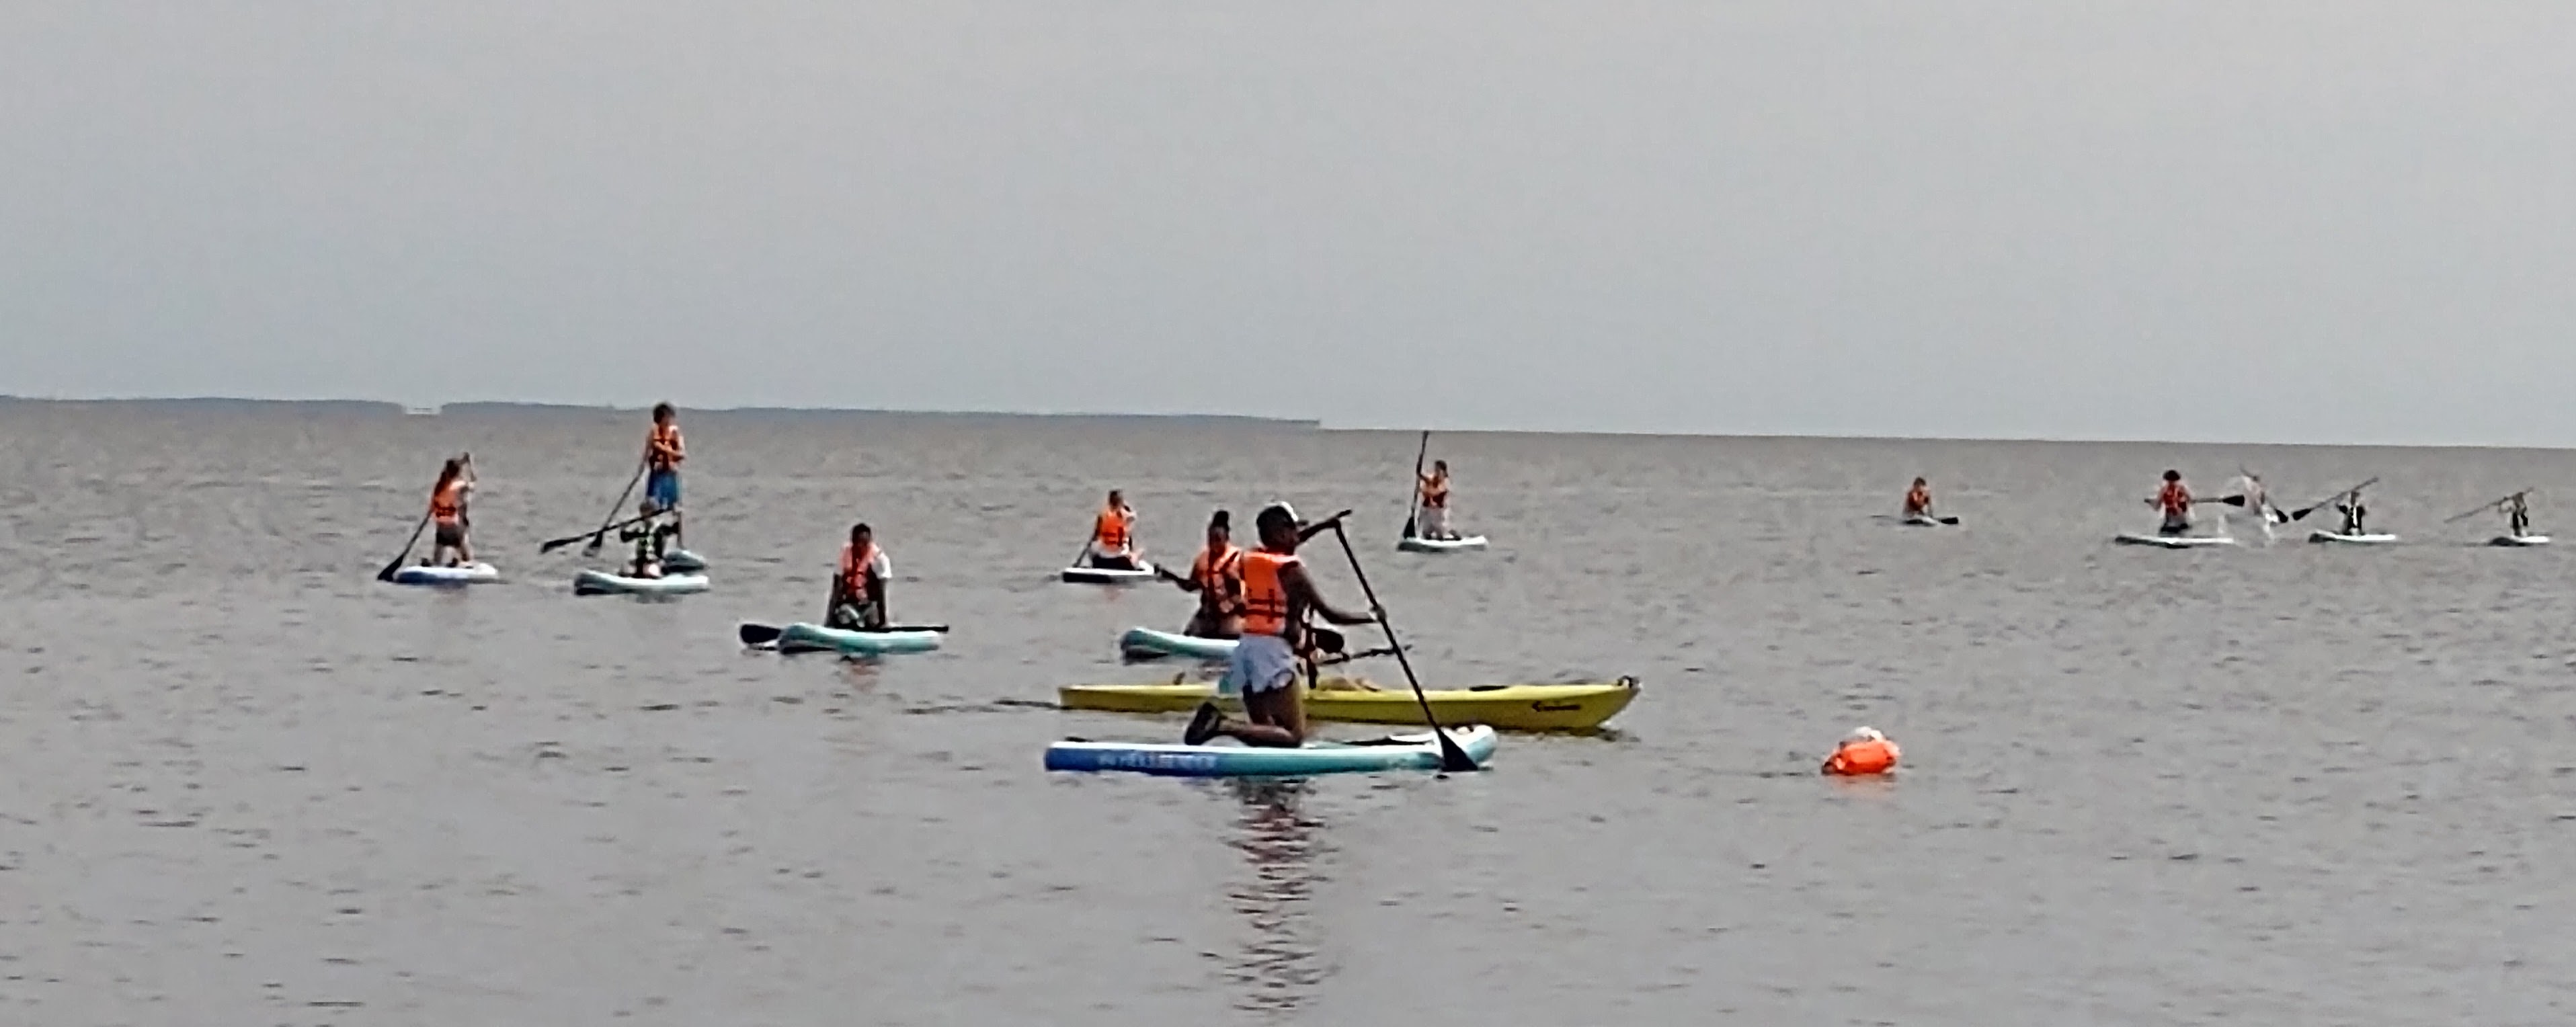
1217,576
1435,502
1277,598
859,591
2174,501
447,510
1863,752
1918,500
1113,536
663,453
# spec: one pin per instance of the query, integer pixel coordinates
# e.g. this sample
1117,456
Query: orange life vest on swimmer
1265,596
663,445
1111,530
1217,574
2174,499
1861,757
856,568
447,502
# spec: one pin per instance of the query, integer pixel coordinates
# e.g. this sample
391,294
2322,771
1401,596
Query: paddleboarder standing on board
1113,535
858,600
447,510
1277,599
663,453
1217,577
1435,503
2174,501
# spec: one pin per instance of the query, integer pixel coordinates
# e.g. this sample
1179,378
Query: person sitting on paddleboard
859,591
1435,502
663,453
647,532
2174,501
1277,599
1217,577
1113,536
1918,500
2353,510
447,510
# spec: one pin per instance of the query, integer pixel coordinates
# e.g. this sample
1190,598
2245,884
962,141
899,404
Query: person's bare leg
1277,719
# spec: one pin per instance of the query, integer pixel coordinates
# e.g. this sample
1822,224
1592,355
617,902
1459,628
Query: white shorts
1260,663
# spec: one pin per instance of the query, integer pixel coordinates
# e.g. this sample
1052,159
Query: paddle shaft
602,533
620,504
1413,499
1451,757
387,574
2484,507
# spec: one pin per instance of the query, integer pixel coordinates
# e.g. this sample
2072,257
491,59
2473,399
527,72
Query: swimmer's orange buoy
1864,753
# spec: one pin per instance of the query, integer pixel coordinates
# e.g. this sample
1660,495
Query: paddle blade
1949,520
1452,758
759,634
387,574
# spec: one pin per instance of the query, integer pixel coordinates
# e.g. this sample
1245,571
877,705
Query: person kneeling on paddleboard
447,509
647,532
1277,598
1113,536
1217,577
1435,503
858,600
2353,510
2174,500
1918,500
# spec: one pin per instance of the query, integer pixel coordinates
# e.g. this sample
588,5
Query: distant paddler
663,452
1217,576
2174,502
1434,500
2353,510
1277,598
2516,509
1918,500
1113,537
449,547
2257,500
858,601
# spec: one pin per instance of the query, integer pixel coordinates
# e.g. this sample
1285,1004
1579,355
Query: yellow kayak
1511,707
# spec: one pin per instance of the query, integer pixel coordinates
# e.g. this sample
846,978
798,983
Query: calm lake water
242,783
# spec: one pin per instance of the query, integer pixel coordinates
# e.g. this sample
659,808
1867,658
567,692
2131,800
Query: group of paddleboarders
655,528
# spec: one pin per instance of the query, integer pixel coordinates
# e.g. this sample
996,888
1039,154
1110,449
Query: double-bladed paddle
596,537
1452,758
2302,513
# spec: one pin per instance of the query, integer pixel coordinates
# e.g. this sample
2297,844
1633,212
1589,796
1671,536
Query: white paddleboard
1412,544
2519,540
2133,538
469,574
592,583
1084,575
2372,539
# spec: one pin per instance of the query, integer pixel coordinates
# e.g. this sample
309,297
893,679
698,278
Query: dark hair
862,526
1274,515
662,410
2171,475
1221,519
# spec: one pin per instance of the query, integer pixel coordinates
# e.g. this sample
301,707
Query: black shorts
451,535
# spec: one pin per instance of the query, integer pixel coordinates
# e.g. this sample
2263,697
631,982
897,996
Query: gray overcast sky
2330,221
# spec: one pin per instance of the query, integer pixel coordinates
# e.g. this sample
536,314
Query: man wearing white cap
1277,597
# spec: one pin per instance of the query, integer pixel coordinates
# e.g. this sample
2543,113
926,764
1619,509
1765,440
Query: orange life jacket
856,569
1111,530
1918,500
1862,757
447,502
1435,492
662,446
1265,596
1219,576
2174,499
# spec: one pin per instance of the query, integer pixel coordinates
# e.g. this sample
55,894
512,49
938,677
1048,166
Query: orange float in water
1863,753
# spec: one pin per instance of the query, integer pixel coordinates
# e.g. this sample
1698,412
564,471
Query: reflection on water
1279,966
